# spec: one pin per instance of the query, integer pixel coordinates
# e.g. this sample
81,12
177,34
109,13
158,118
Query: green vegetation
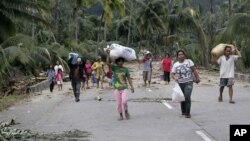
8,101
35,33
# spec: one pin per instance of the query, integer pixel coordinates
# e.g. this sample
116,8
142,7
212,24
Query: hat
147,52
79,59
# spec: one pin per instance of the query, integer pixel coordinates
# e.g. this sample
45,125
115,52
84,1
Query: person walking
98,67
121,76
88,72
59,79
147,68
226,63
58,66
182,72
76,75
51,77
166,68
109,76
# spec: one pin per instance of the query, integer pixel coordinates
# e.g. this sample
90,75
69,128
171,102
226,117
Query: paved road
150,120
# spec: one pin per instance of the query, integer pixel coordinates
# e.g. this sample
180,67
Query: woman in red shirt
166,68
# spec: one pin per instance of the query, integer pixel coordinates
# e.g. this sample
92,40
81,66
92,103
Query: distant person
98,67
59,79
88,72
121,76
182,72
76,75
167,63
109,76
226,63
51,77
147,68
58,66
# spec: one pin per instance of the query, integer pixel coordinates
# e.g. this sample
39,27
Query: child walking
121,76
109,76
59,79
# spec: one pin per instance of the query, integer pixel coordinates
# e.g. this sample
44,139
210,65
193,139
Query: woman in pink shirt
88,71
59,79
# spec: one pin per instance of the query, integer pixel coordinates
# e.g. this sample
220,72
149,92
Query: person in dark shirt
77,73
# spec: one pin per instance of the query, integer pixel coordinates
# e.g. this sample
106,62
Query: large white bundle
72,58
117,51
218,51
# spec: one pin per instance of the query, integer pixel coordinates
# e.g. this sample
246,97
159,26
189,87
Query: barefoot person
182,72
147,68
76,75
98,67
121,76
88,72
226,63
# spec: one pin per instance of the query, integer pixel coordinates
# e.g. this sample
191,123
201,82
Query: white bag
177,95
72,58
117,51
218,51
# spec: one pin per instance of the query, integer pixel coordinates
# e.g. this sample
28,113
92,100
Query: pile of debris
8,133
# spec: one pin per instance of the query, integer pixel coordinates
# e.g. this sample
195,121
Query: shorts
226,81
60,82
147,75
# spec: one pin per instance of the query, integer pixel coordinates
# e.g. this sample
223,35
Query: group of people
80,75
182,71
55,76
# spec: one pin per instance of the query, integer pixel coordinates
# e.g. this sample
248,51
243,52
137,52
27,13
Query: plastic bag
117,51
177,95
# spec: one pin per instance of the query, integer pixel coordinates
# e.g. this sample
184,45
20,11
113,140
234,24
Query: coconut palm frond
35,10
44,52
19,40
15,53
237,26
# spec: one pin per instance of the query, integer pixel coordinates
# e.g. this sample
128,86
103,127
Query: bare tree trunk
76,30
129,31
229,8
33,31
211,6
99,31
105,33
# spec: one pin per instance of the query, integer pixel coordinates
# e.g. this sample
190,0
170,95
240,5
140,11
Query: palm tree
109,8
79,7
184,17
150,18
18,53
31,10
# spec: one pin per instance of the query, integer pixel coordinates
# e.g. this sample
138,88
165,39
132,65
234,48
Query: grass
7,101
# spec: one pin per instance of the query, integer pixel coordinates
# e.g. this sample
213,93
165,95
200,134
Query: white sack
117,51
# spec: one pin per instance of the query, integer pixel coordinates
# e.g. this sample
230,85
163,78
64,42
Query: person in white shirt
184,73
58,66
226,63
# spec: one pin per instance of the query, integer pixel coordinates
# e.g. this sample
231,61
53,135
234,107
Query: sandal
232,102
127,115
220,99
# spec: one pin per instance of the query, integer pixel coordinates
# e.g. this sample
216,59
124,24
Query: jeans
187,91
76,85
51,86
